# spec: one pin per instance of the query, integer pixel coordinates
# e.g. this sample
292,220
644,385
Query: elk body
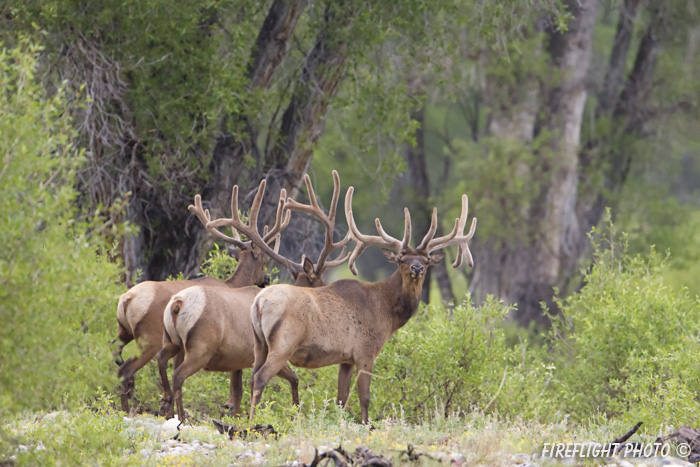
348,322
140,309
212,324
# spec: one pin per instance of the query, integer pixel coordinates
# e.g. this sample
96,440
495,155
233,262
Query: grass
104,436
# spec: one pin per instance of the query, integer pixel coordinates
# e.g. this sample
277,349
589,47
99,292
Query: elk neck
403,297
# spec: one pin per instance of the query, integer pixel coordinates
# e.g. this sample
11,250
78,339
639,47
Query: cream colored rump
135,303
191,303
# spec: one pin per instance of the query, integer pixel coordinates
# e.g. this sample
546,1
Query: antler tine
453,238
205,219
251,229
363,241
336,195
431,231
280,223
342,258
255,207
395,243
405,243
328,220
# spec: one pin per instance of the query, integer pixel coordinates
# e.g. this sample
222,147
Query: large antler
427,245
250,229
384,240
328,221
456,237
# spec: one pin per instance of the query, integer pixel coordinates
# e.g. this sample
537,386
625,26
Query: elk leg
131,366
168,351
235,395
364,373
195,360
344,380
290,376
260,350
272,366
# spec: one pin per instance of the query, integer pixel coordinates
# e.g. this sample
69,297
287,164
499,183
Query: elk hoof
164,407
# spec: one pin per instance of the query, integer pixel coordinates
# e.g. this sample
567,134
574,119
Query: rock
54,415
146,453
208,446
170,428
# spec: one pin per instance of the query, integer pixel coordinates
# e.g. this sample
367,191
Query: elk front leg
364,373
235,395
169,351
344,380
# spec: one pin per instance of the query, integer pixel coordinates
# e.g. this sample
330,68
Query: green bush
627,345
57,289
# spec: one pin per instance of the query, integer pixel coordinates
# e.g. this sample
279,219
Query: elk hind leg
168,351
195,360
274,363
130,367
364,373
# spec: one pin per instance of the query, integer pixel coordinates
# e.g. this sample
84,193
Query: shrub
626,344
56,287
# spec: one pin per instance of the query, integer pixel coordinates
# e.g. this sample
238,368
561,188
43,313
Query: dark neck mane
404,297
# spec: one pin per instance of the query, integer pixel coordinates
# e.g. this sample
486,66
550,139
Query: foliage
219,263
56,285
626,345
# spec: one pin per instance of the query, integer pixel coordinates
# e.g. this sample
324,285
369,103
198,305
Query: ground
107,437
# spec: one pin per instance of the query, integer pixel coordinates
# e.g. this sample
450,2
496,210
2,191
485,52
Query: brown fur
140,314
213,329
347,323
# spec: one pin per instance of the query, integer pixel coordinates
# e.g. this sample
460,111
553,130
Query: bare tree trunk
569,204
527,273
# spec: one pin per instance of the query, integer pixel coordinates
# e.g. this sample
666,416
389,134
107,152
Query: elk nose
417,269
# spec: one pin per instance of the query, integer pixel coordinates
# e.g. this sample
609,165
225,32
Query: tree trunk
569,204
304,118
181,250
527,272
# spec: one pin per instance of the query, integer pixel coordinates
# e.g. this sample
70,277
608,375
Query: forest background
557,118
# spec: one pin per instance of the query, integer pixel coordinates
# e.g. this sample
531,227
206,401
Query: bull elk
348,322
212,325
140,309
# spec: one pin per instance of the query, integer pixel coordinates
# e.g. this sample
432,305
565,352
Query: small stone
170,443
208,446
54,415
145,453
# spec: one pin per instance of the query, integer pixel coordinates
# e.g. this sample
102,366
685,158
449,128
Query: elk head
250,254
412,262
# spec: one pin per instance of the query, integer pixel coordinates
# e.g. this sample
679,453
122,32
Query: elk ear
233,251
309,267
390,255
436,257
